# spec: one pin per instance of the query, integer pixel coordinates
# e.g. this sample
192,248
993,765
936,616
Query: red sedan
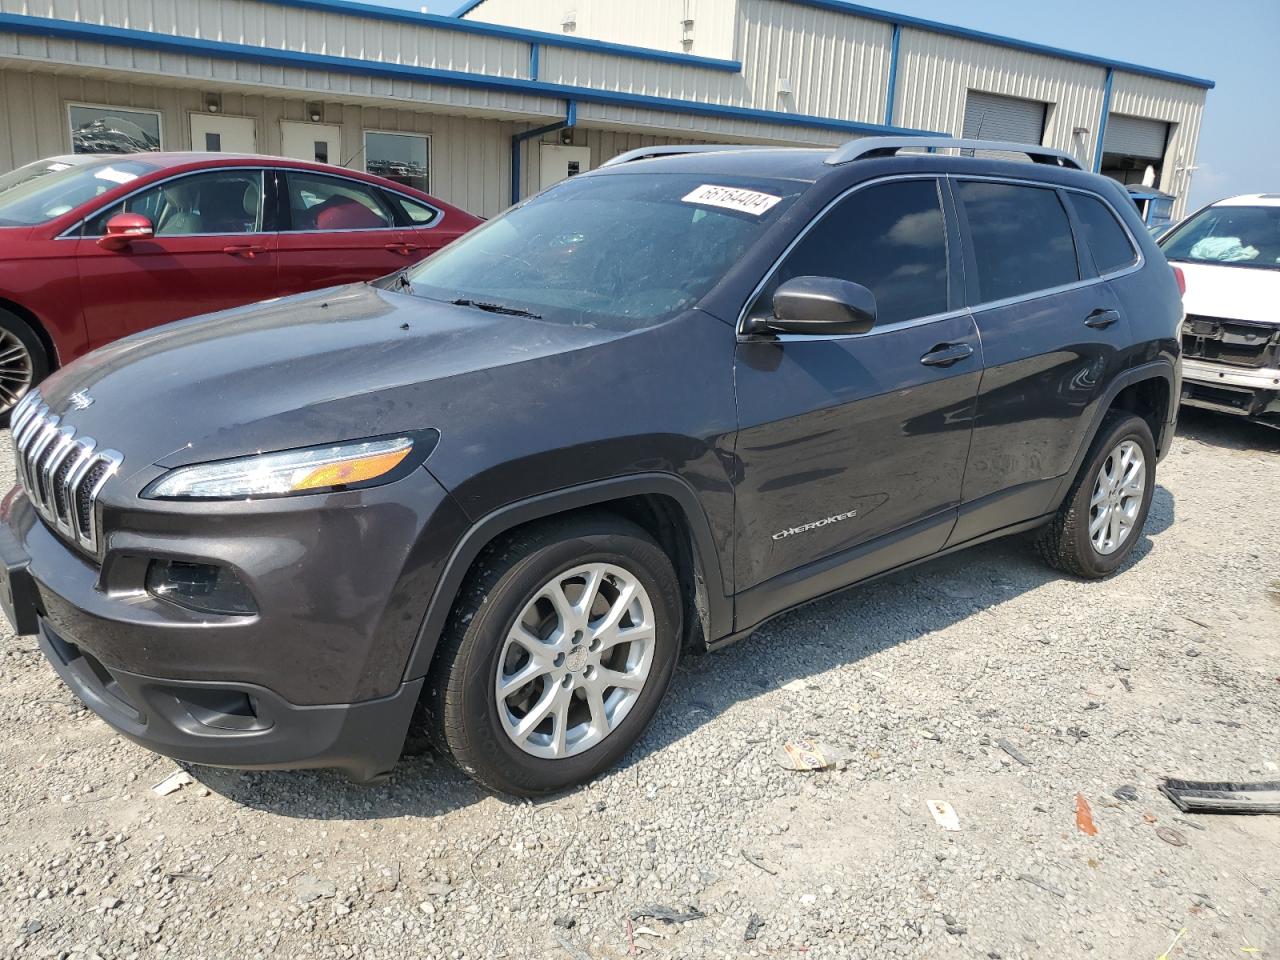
95,247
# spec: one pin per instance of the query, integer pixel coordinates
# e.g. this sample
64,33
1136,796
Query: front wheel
558,652
1104,512
23,361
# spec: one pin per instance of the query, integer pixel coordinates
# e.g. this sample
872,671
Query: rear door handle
1101,319
247,250
945,354
404,249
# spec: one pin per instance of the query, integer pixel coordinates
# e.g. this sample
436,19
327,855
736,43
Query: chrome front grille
61,472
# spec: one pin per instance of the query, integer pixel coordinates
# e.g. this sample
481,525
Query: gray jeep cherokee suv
646,410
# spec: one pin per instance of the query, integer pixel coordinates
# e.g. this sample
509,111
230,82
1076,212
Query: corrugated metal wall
656,24
936,72
837,65
470,158
1181,107
189,68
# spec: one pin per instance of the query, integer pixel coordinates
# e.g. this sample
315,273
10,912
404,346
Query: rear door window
321,203
890,238
1021,238
1105,237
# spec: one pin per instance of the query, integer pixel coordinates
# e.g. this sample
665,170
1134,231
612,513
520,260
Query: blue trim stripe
933,26
220,50
893,74
1102,121
374,12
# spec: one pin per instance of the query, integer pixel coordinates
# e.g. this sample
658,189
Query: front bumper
237,724
1250,392
315,679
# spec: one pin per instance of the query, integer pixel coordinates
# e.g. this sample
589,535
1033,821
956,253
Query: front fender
598,493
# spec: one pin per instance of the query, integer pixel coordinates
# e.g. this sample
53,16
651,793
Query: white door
317,142
559,163
219,134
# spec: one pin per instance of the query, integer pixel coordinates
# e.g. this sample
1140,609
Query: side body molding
719,607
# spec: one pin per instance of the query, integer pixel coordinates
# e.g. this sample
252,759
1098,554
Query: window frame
265,202
364,142
954,252
70,130
285,207
1088,273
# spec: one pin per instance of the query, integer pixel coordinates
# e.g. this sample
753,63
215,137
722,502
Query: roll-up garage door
989,116
1135,137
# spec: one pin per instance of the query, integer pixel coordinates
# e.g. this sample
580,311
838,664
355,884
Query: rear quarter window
1106,239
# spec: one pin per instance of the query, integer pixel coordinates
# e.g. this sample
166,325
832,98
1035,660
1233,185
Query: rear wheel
558,652
1104,512
23,361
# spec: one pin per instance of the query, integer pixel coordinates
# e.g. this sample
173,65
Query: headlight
313,470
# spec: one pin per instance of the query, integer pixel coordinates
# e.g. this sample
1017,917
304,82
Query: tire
512,584
1070,543
23,361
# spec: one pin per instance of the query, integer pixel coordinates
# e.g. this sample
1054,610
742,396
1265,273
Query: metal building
511,95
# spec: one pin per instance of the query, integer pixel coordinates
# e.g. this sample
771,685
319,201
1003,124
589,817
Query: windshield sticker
57,167
114,175
732,198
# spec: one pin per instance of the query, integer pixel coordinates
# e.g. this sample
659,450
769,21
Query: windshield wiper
496,308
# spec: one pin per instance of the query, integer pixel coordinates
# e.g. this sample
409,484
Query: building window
402,157
113,129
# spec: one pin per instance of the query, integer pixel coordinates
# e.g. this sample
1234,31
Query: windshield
622,251
39,192
1239,236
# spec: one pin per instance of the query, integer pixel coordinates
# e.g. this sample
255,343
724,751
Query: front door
557,162
313,142
215,133
1051,344
212,250
854,447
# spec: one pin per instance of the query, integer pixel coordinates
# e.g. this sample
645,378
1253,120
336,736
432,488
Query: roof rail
672,150
865,147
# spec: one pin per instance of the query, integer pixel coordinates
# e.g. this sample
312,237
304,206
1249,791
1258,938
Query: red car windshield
43,191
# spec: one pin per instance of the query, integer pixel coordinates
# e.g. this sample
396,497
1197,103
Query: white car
1229,254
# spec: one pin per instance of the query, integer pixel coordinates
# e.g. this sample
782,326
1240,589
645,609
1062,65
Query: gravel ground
1170,668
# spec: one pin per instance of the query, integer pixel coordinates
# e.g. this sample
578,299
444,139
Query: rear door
857,441
1052,333
338,230
214,248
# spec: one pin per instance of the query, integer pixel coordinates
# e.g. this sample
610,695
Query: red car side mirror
124,228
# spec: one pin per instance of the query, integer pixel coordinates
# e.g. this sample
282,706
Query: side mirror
819,306
124,228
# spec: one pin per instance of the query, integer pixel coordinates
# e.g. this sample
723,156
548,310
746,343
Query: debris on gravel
841,863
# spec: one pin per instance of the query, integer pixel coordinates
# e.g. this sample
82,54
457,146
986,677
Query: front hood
340,364
1232,293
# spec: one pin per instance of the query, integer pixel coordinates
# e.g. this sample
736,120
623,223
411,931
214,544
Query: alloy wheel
16,370
1118,491
575,661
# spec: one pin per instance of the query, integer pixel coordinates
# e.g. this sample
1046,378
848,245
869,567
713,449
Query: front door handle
945,354
246,250
1101,319
404,249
